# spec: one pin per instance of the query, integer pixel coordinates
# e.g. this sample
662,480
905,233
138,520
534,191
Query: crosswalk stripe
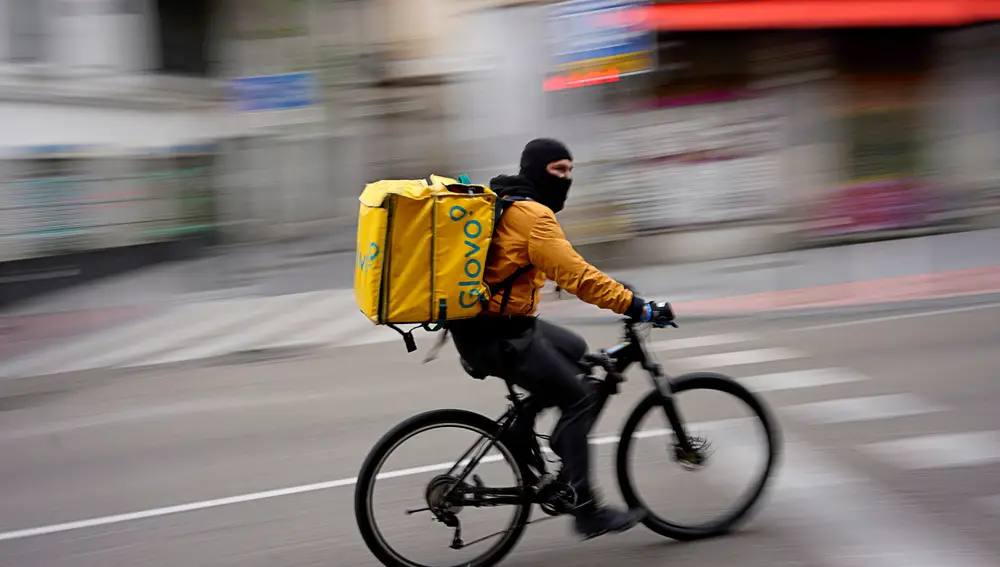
852,521
698,342
737,358
373,336
939,451
188,325
212,320
796,379
332,331
40,362
862,409
840,515
302,313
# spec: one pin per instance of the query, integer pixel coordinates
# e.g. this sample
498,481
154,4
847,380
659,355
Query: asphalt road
891,453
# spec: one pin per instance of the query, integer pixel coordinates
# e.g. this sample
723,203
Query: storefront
752,118
695,142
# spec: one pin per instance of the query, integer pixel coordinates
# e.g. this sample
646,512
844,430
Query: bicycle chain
484,538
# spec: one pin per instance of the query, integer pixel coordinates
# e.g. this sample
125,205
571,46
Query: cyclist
508,341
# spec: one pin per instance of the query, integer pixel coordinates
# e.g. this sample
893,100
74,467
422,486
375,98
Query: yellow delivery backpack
421,252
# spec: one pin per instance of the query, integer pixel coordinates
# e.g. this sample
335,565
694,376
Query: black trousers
543,359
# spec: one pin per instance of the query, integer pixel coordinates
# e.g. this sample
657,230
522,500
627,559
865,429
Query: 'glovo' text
473,267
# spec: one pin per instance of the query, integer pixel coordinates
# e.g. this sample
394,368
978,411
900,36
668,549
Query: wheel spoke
696,457
468,500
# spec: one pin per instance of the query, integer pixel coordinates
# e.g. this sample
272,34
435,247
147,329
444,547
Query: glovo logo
473,268
367,257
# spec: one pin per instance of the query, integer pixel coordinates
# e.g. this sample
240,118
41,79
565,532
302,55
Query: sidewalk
815,268
924,268
882,291
949,265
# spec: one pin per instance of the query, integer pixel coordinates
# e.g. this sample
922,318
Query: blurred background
186,379
138,130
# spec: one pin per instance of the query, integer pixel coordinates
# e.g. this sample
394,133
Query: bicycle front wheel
428,502
720,416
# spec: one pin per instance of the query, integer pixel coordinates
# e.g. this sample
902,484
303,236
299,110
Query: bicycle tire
720,526
384,447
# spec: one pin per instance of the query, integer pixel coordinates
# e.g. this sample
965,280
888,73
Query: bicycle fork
686,452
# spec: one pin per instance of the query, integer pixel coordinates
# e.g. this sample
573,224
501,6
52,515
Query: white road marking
252,497
191,507
840,517
287,319
737,358
48,359
199,330
377,335
852,522
843,518
939,451
861,409
800,472
895,317
698,342
800,379
350,324
210,320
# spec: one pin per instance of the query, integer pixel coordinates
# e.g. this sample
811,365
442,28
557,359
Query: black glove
636,310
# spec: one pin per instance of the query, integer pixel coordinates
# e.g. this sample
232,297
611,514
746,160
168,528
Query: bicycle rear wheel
633,433
438,481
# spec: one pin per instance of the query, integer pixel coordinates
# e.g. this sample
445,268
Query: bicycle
448,493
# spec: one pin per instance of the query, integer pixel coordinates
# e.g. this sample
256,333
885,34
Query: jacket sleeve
551,252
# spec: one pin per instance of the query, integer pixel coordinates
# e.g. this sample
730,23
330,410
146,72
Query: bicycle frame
614,361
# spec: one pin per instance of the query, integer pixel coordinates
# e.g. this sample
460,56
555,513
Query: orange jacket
528,233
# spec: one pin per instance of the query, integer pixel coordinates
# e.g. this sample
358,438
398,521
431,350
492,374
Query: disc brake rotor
697,456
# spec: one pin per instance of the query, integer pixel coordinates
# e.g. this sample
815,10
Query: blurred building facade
757,134
111,117
143,122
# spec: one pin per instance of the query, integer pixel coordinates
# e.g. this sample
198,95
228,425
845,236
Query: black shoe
592,521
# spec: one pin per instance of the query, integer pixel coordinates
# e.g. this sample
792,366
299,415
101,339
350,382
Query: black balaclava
537,155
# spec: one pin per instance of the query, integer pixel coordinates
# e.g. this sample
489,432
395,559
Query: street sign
590,34
286,91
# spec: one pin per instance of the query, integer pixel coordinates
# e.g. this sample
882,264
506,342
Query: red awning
787,14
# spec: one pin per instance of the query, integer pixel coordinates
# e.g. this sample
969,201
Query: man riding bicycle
508,341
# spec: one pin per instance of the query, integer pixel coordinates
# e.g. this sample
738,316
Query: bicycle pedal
557,499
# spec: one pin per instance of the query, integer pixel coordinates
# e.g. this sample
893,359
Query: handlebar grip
663,314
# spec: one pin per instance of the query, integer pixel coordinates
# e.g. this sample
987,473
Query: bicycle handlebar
663,313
